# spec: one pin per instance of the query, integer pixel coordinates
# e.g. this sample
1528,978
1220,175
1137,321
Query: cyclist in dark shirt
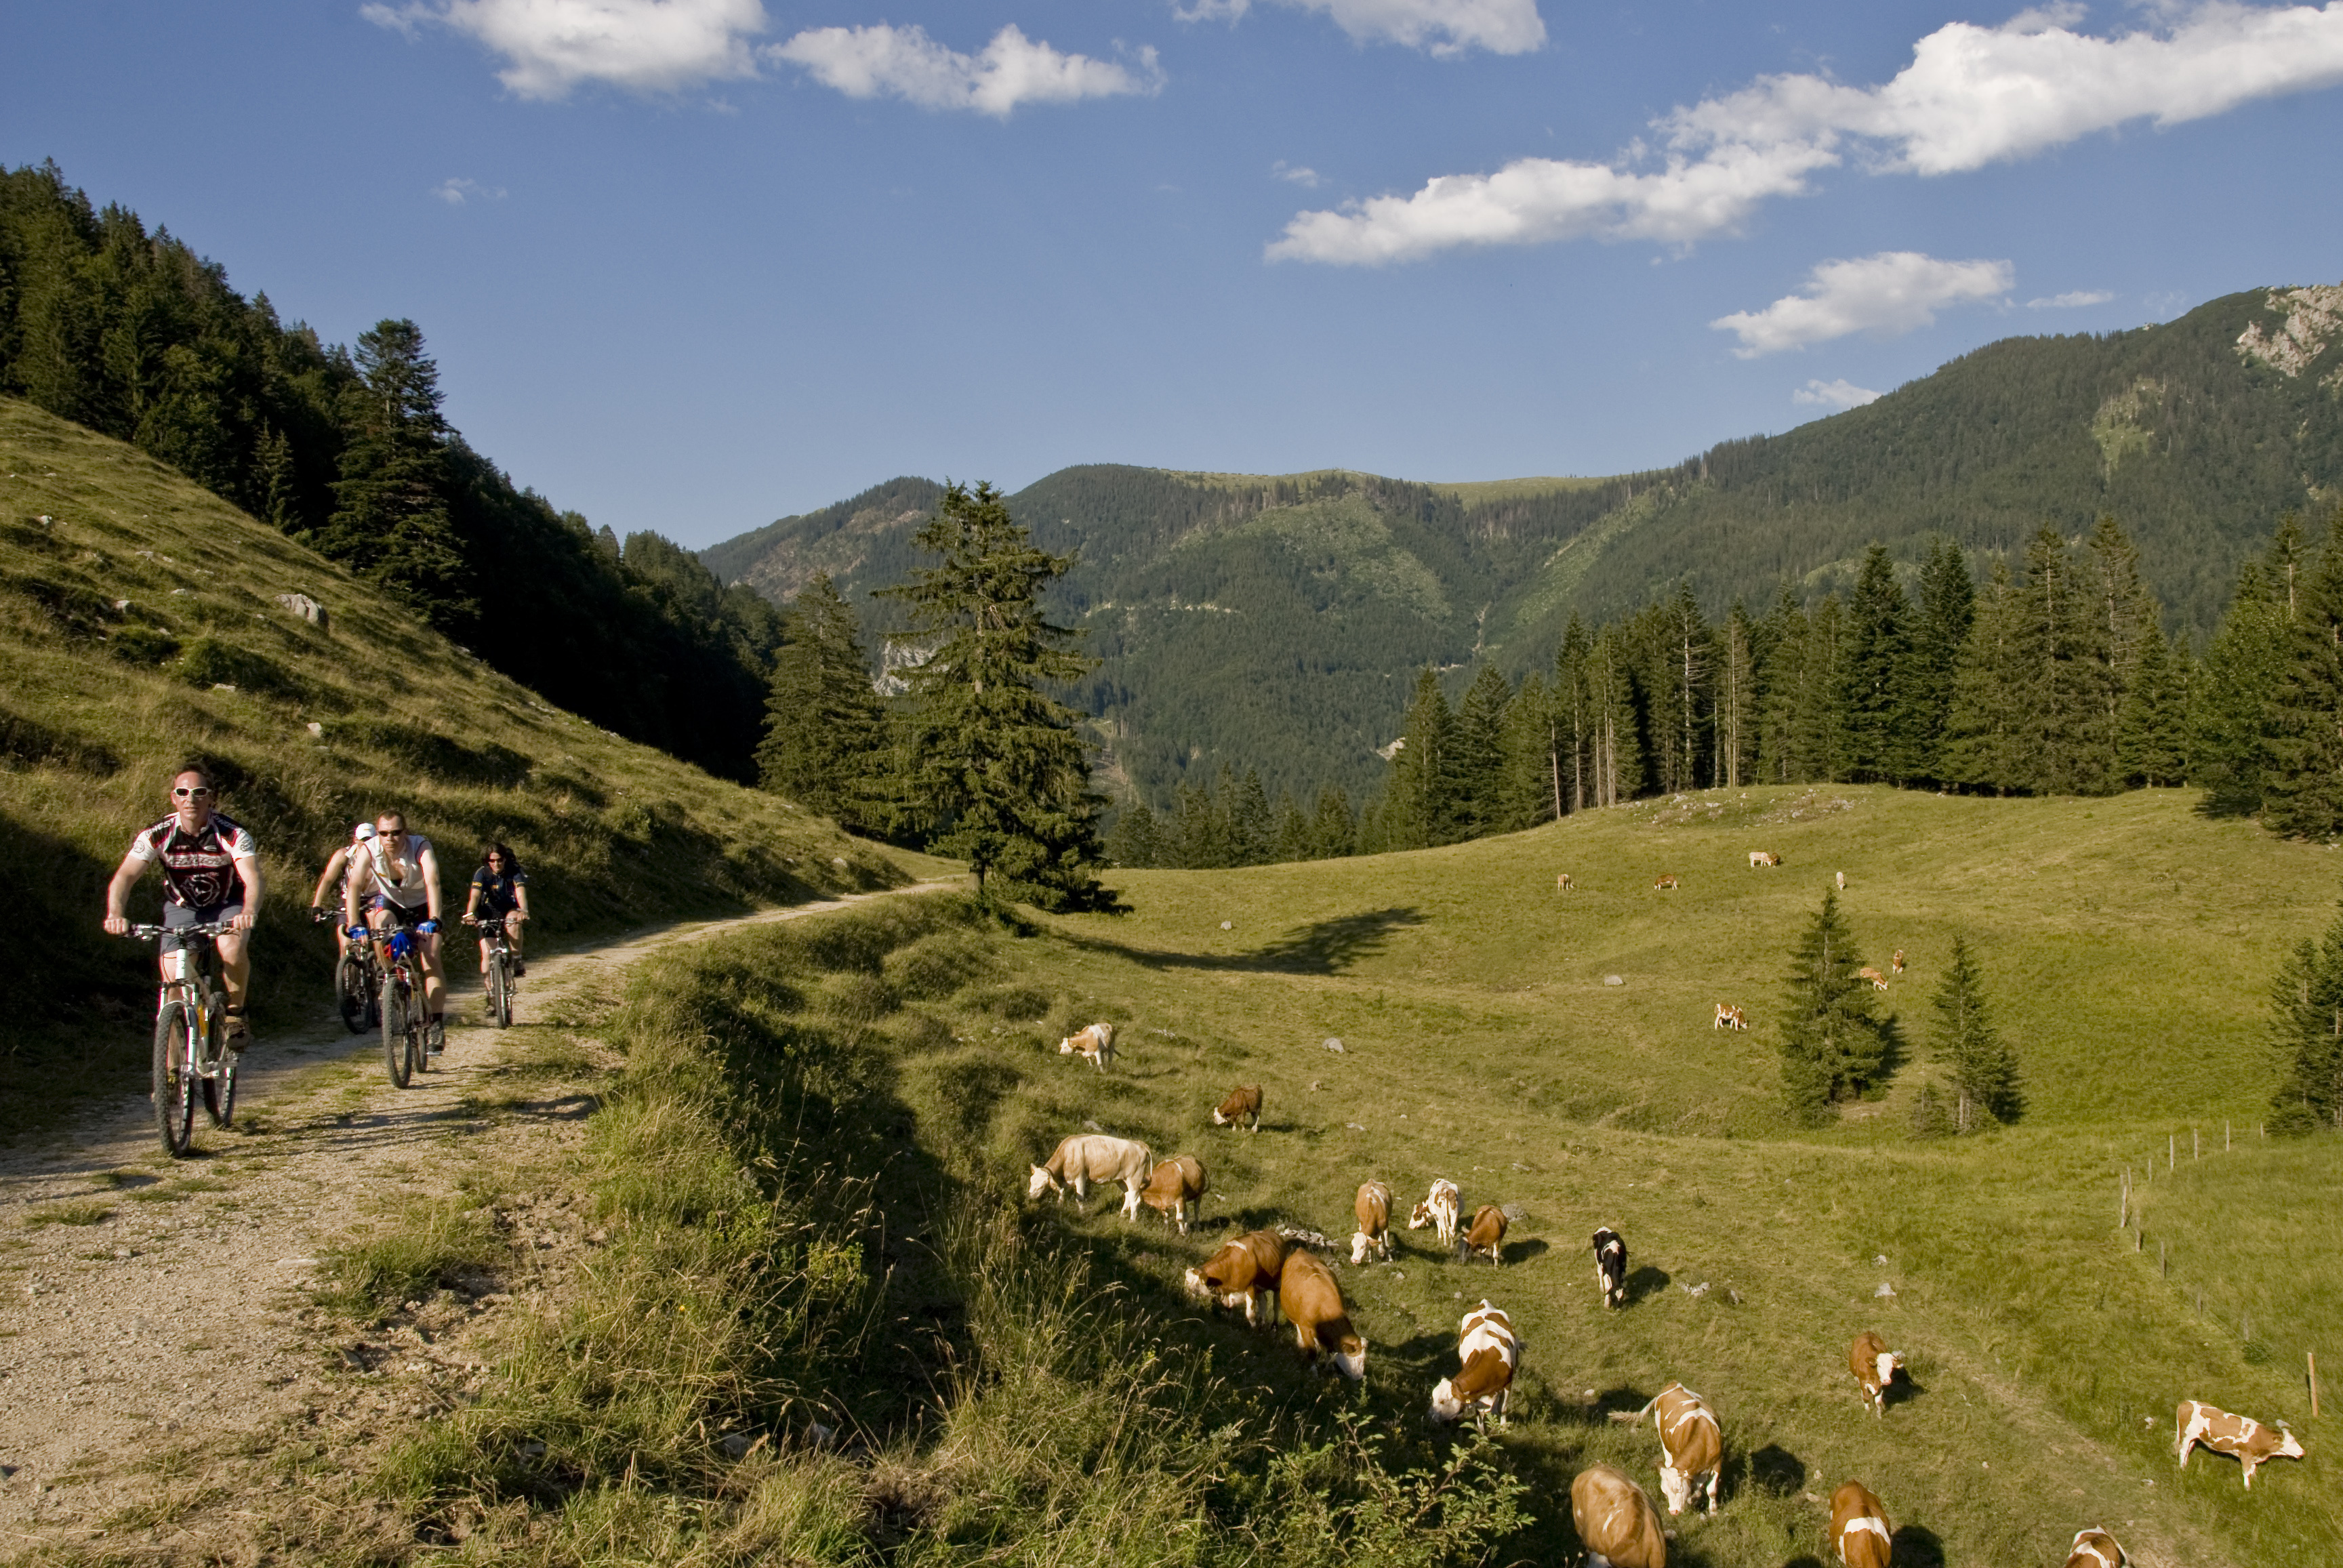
211,873
500,888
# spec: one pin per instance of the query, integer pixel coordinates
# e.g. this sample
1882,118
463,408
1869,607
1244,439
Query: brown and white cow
1729,1017
1088,1157
1666,884
1486,1234
1763,857
1896,964
1242,1103
1177,1187
1875,1366
1692,1446
1615,1521
1372,1238
1243,1273
1860,1533
1563,884
1313,1302
1094,1045
1487,1353
1443,1207
2249,1440
2095,1548
1610,1267
1878,981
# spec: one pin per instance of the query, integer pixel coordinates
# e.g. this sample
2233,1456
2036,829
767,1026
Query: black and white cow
1611,1266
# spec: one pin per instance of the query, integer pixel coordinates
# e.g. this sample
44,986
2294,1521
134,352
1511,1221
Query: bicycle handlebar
208,928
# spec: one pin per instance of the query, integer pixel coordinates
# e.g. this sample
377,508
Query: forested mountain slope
1271,623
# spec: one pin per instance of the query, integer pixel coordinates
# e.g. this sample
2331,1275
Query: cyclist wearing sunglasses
398,880
211,873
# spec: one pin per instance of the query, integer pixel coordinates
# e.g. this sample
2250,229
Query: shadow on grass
1916,1546
1772,1468
1645,1283
1522,1251
1321,948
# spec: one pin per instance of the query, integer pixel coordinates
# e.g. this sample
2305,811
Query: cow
1487,1353
1088,1157
1177,1189
1615,1521
2095,1548
1373,1237
1486,1234
1094,1045
1610,1267
1443,1207
1840,877
1763,857
1313,1302
2252,1442
1875,1366
1692,1445
1242,1273
1730,1016
1896,964
1666,884
1242,1103
1563,884
1878,981
1859,1529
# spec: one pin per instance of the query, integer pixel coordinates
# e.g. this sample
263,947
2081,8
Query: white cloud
1442,28
2080,297
1298,173
904,62
551,45
457,191
1891,293
1836,394
1972,95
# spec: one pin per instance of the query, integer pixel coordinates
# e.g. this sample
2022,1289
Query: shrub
209,661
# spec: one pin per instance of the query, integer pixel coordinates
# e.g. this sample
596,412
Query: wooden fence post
2225,1135
2171,1152
2312,1358
2195,1145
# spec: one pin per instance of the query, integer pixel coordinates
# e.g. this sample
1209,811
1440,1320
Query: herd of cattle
1267,1274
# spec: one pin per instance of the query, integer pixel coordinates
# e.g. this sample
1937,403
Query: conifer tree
1818,716
1292,831
1197,837
1532,759
1002,762
1334,831
1878,644
1253,826
1781,676
2066,735
1940,629
1478,750
1574,717
1983,738
392,525
1833,1047
2307,1029
2303,791
1681,700
1984,1069
826,742
2124,613
1736,698
2152,729
1420,806
1136,839
1615,750
2230,714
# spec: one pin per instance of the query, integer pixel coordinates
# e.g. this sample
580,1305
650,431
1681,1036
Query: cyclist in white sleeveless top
339,870
396,880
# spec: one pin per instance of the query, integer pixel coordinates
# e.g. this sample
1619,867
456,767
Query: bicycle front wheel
219,1089
499,989
175,1083
396,1026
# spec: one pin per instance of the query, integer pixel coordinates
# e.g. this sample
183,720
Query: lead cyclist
211,874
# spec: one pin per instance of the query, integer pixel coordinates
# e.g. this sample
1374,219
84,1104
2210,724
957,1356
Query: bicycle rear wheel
397,1005
500,987
350,991
174,1086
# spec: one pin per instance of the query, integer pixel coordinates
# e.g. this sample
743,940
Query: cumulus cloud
1440,27
457,191
1296,173
1834,395
905,63
2079,297
1891,293
552,46
1973,96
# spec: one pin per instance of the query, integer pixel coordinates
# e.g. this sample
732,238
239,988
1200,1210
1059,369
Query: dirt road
153,1309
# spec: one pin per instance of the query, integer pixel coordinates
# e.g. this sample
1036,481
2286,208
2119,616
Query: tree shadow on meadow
1320,947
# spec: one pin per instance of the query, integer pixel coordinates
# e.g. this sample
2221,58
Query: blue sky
691,265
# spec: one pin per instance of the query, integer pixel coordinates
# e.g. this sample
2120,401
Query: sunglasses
198,791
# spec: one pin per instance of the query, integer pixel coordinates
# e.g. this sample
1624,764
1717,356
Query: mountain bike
190,1043
499,977
401,1002
357,984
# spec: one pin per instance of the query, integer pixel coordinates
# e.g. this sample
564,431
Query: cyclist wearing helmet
397,880
499,891
211,874
338,872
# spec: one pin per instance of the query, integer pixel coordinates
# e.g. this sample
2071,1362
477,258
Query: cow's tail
1622,1417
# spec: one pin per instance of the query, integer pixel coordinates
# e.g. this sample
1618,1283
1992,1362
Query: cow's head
1066,1046
1350,1358
2289,1445
1042,1182
1890,1363
1447,1407
1677,1486
1359,1247
1420,1217
1218,1120
1197,1285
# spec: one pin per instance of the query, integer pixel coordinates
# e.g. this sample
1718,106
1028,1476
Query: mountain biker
398,880
338,870
211,875
499,890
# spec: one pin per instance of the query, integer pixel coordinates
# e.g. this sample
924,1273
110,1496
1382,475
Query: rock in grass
736,1444
1613,979
1334,1045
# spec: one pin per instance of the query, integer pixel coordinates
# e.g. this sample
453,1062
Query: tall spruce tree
1878,643
1819,747
2152,729
1781,674
2067,725
1334,830
2124,612
1003,763
1420,807
2306,1032
1940,627
2232,704
826,742
1681,704
2303,789
1252,825
1478,747
1532,759
1736,698
1984,740
392,525
1292,831
1613,747
1136,839
1984,1069
1833,1047
1574,717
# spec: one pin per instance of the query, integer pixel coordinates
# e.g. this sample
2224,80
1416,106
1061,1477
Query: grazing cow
1487,1352
1177,1189
1094,1045
1240,1104
2095,1548
1615,1521
1875,1366
1859,1527
1692,1446
1486,1234
1242,1273
1840,877
1896,964
2251,1441
1666,884
1373,1237
1610,1267
1313,1302
1563,884
1088,1157
1878,981
1442,1207
1763,857
1729,1017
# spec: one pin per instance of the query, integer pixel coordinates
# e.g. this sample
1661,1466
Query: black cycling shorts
179,917
408,915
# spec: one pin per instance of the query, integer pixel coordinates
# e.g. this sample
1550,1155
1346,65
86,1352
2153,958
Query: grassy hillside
139,625
1036,1389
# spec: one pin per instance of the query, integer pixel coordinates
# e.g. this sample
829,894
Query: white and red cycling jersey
198,868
